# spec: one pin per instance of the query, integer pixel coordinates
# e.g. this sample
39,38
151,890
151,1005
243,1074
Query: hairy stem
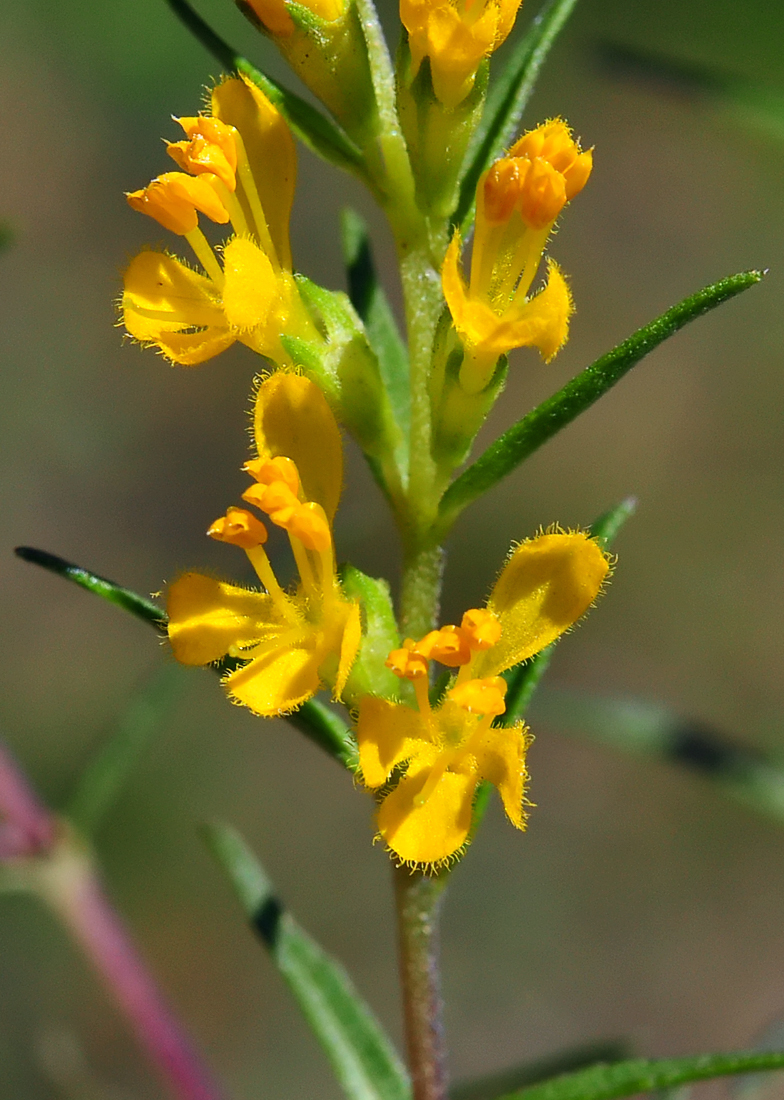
418,902
421,591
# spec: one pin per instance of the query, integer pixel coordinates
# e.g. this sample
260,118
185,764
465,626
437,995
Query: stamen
250,191
280,468
205,256
230,201
306,573
261,564
422,691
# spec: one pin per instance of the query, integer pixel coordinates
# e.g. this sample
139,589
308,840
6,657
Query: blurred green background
640,904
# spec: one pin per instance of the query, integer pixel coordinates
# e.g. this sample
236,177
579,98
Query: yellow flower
274,15
517,202
544,588
290,643
456,35
241,167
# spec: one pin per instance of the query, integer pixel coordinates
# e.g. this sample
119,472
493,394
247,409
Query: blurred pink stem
47,858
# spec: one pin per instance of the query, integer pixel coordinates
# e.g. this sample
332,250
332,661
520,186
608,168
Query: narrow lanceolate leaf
105,775
313,718
532,1073
139,606
369,300
314,129
508,97
524,679
363,1058
642,1075
650,730
545,421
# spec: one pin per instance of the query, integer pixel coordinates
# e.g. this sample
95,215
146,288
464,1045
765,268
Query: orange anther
481,627
309,524
276,499
406,663
502,187
173,199
543,196
449,646
240,528
267,470
481,696
576,175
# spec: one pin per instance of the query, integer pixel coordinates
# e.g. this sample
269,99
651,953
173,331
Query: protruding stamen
449,646
481,627
280,468
203,252
407,663
261,564
239,528
210,148
276,499
173,199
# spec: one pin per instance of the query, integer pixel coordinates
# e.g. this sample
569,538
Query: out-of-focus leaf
524,679
6,236
757,1085
319,133
364,1060
750,103
370,302
647,729
643,1075
532,1073
545,421
104,776
314,718
508,97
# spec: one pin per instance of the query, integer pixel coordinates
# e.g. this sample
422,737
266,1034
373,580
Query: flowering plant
441,150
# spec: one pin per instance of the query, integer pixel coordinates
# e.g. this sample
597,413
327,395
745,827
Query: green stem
421,591
418,901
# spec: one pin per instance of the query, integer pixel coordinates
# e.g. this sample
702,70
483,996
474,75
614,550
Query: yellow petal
207,618
162,285
251,287
546,585
387,734
542,322
431,833
276,683
349,647
292,418
501,759
188,349
271,152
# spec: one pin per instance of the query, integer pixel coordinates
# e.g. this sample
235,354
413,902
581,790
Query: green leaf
6,236
642,1075
139,606
545,421
369,673
508,97
370,302
103,778
363,1058
524,679
646,729
321,135
532,1073
313,718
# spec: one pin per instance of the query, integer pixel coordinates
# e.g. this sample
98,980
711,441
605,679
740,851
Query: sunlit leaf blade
532,1073
314,129
749,102
545,421
139,606
653,731
314,718
369,300
362,1057
643,1075
508,97
524,679
103,778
